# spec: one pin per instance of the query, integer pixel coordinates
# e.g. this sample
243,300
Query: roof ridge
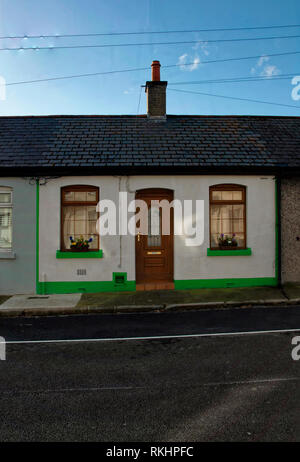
142,116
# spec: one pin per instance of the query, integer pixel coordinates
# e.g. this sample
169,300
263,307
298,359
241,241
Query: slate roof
130,144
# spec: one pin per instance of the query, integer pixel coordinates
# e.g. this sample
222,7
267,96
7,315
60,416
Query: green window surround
92,254
227,253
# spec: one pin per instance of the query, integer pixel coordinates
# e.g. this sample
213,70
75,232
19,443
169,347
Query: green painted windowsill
91,254
229,252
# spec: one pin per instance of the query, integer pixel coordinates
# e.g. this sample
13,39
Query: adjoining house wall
192,266
290,229
17,268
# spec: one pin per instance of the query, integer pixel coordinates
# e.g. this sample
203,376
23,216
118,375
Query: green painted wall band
69,287
186,284
73,287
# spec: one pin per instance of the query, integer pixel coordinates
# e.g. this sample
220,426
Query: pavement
53,303
148,301
206,375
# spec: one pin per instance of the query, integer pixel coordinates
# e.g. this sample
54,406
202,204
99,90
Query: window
227,217
5,218
79,215
154,227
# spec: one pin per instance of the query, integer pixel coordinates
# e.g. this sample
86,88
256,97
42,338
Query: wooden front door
154,251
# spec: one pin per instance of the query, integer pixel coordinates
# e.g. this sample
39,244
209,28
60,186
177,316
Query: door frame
159,193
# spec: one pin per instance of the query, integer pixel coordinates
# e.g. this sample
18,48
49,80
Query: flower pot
228,247
80,249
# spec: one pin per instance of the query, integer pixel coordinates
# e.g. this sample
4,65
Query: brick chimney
156,94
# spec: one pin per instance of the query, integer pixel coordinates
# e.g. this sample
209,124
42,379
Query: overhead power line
234,98
233,59
187,42
65,77
101,34
92,74
238,79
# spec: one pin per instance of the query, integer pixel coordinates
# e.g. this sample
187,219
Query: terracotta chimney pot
155,71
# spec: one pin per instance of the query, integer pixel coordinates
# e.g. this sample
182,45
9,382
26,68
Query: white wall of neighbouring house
18,264
189,262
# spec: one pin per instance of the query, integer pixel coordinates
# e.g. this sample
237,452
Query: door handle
139,237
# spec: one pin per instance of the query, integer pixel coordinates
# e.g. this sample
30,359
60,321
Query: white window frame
7,205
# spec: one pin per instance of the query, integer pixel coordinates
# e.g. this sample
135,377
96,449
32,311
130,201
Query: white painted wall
189,262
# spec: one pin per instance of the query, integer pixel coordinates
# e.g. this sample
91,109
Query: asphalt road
206,388
94,326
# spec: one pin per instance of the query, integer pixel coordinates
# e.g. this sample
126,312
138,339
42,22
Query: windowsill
229,252
89,254
7,255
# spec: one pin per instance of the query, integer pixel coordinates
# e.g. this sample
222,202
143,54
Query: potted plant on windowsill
80,244
227,242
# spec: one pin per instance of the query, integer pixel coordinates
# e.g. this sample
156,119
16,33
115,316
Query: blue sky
119,93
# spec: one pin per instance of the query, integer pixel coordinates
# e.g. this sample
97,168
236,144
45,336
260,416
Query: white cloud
203,47
129,91
183,60
195,64
268,71
262,60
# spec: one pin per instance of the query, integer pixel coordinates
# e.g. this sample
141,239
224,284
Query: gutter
147,169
